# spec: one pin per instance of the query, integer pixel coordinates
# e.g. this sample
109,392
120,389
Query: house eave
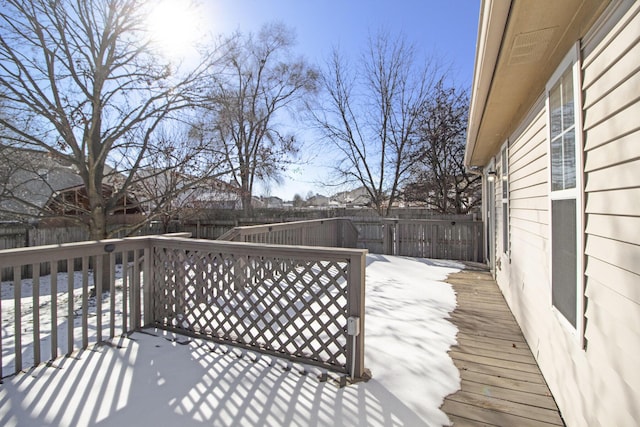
520,43
492,23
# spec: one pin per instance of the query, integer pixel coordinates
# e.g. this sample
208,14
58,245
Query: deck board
501,382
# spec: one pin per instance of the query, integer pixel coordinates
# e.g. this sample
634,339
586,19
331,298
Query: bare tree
298,201
172,183
439,176
371,115
80,81
260,81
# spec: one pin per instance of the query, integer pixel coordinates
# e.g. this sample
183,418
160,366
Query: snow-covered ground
162,379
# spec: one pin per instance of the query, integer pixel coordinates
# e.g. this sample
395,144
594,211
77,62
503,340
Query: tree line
83,82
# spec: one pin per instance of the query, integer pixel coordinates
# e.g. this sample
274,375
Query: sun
175,26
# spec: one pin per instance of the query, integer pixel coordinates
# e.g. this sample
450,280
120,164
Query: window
565,203
505,200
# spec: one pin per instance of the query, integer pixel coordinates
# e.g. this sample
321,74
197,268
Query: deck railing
334,232
291,301
46,315
301,303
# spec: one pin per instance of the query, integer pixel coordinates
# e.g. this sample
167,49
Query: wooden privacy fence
458,237
334,232
438,239
305,304
24,236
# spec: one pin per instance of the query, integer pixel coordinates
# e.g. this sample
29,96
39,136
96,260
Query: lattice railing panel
282,305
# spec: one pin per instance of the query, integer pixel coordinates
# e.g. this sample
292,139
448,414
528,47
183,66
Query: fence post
355,310
389,236
478,242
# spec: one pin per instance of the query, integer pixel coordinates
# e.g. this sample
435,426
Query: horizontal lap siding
611,102
525,279
603,156
599,385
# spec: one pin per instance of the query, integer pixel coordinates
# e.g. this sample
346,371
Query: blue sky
446,29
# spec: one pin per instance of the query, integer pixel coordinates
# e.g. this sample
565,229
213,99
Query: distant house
273,202
37,184
74,201
43,188
353,198
28,179
258,202
317,201
185,191
554,127
215,194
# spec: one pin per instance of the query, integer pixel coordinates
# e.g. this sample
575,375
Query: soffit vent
530,47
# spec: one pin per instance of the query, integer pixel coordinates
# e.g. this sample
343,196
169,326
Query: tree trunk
98,231
247,207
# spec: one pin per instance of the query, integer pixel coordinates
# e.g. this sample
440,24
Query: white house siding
599,385
524,272
611,103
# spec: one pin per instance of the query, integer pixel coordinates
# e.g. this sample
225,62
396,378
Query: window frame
571,60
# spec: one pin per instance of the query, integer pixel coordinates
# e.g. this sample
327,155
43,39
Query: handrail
231,235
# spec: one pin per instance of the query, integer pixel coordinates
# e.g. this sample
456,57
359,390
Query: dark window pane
564,261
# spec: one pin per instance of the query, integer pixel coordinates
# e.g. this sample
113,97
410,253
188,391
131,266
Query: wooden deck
501,382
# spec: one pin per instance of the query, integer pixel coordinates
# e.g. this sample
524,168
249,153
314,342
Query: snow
62,299
158,378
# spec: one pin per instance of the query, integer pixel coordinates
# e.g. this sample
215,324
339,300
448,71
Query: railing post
70,286
355,314
135,292
98,279
17,319
149,280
